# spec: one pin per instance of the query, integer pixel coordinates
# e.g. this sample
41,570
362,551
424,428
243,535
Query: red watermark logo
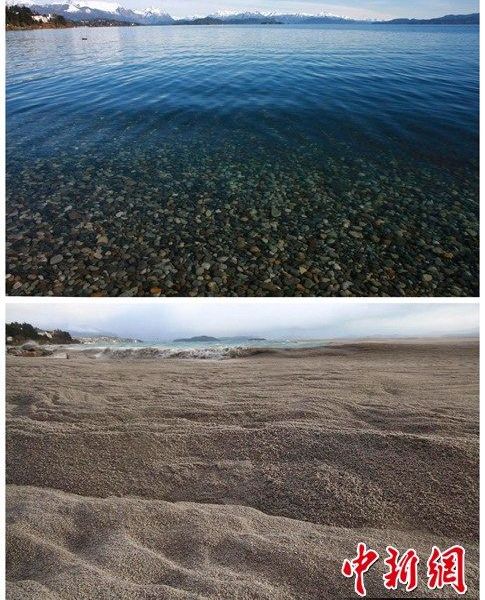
444,568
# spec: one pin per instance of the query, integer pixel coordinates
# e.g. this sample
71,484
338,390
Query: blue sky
295,318
351,8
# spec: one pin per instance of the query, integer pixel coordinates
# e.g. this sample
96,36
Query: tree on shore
19,16
22,332
22,16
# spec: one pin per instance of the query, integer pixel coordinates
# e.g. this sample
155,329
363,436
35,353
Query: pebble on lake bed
190,220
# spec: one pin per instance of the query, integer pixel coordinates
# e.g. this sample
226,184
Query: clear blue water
347,155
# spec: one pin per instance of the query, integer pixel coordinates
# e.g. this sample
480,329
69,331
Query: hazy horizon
357,9
273,319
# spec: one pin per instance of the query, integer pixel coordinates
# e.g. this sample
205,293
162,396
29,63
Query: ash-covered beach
250,477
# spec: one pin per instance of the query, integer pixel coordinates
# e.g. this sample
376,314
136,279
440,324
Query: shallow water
243,160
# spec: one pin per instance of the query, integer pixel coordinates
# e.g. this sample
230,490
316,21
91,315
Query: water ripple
413,82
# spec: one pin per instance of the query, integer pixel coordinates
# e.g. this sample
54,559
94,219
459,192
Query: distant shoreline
64,19
39,26
181,24
71,25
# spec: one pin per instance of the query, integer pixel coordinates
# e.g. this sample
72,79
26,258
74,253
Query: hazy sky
272,318
351,8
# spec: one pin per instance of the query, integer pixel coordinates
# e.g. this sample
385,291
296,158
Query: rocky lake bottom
186,219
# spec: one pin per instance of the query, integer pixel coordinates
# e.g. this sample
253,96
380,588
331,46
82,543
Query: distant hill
103,23
22,17
18,333
472,19
198,338
200,21
229,21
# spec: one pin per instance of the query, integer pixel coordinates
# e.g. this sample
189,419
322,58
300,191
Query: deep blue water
253,117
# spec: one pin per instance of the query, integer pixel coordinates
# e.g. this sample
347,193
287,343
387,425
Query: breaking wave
207,353
214,353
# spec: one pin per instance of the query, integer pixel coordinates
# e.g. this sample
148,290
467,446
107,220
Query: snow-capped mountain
82,10
323,17
86,10
153,16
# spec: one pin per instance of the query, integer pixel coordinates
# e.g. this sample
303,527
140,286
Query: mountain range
86,10
98,9
472,19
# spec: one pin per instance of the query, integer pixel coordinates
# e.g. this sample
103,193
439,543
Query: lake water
243,160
